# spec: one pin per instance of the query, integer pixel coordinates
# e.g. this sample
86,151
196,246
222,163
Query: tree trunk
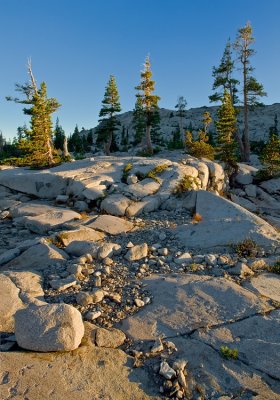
149,146
246,141
107,144
50,153
182,133
65,147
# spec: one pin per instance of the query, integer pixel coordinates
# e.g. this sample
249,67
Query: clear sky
76,44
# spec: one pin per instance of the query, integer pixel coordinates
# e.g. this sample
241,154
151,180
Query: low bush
229,353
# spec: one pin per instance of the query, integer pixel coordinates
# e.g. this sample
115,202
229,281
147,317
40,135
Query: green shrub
186,184
128,167
228,353
156,171
275,268
199,148
247,248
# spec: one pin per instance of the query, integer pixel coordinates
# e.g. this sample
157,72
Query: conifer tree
270,156
37,143
223,77
138,121
75,142
109,124
226,128
251,88
200,148
59,136
149,101
181,112
156,136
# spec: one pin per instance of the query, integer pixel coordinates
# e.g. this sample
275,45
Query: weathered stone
112,225
97,295
267,284
147,187
94,192
221,215
38,258
79,248
272,186
29,284
166,371
108,249
52,220
251,190
63,284
51,327
9,304
84,298
184,303
184,258
87,373
115,204
81,234
111,338
137,252
241,270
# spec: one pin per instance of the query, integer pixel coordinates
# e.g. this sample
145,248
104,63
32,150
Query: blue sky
76,44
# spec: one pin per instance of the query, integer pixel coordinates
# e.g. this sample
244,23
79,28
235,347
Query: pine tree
75,142
273,130
176,140
2,142
37,143
252,89
148,100
200,148
156,136
138,121
181,112
59,136
270,156
226,128
109,124
223,77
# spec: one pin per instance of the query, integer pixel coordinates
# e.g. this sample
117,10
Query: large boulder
224,224
272,186
51,327
43,184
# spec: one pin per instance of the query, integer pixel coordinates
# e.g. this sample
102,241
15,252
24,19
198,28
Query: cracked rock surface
170,307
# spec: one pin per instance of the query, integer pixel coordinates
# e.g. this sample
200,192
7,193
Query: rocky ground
139,278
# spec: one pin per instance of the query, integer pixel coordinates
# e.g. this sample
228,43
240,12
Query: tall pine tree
251,88
138,121
148,100
37,142
226,128
181,112
223,77
109,124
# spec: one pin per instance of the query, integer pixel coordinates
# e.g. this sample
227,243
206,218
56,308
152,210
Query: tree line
41,145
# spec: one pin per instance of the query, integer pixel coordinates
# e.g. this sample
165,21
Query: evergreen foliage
200,148
226,128
176,140
148,100
181,112
36,142
251,88
75,142
109,124
59,136
270,156
138,121
223,77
